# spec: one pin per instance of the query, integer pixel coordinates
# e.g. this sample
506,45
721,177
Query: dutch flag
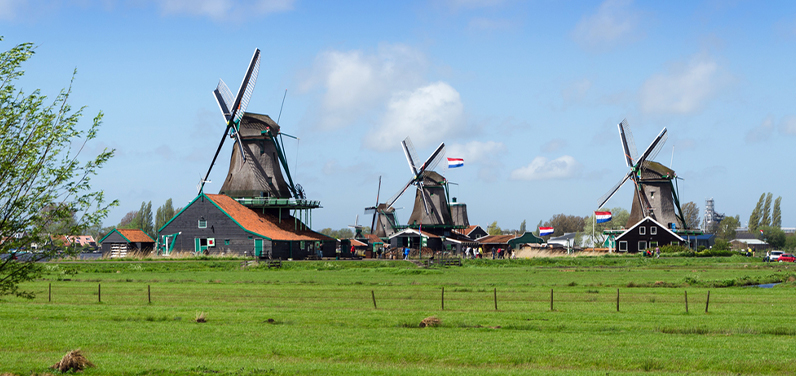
544,231
455,162
602,216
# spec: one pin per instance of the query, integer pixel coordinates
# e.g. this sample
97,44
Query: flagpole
594,224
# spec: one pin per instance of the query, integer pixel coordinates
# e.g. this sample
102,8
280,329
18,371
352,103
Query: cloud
473,4
485,155
616,22
683,89
484,23
356,84
541,168
219,10
427,114
576,91
788,125
554,145
762,132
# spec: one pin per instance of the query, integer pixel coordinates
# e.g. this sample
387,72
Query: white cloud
554,145
485,156
788,125
684,89
428,115
10,8
224,9
615,22
541,168
762,132
576,91
356,83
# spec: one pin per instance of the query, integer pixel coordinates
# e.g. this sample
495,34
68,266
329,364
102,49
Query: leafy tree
765,215
776,214
536,232
145,219
790,242
619,217
343,233
722,245
773,236
42,181
562,223
691,214
164,214
522,227
754,218
128,221
493,229
727,228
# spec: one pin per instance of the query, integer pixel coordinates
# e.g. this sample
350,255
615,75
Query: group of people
649,252
478,253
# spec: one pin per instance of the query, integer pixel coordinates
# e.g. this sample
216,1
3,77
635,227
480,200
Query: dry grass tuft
430,322
73,361
201,317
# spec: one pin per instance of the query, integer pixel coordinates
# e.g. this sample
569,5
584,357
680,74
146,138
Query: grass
318,318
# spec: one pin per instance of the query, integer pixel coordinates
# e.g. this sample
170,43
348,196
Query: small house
473,232
121,242
647,233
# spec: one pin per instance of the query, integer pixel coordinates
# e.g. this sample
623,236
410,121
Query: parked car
773,256
786,257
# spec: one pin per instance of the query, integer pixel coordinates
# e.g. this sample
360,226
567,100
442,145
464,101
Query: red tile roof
135,235
263,224
357,243
372,238
496,239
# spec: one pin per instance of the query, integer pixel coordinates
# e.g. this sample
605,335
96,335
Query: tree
727,228
773,236
343,233
493,229
128,221
619,217
691,214
536,232
765,215
562,223
776,214
163,214
42,181
754,218
522,227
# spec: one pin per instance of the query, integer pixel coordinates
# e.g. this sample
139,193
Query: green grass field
324,321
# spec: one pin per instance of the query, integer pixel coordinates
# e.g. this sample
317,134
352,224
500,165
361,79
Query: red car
787,257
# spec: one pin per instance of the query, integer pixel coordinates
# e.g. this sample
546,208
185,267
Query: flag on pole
544,231
455,162
602,216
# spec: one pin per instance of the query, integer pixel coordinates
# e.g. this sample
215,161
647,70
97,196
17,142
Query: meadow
318,317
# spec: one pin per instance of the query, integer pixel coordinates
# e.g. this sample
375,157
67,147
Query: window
226,241
653,244
642,230
642,245
623,246
653,230
202,223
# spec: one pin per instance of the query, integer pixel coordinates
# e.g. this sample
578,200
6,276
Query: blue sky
527,92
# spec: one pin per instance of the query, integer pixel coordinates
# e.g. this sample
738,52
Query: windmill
383,223
655,194
357,228
431,198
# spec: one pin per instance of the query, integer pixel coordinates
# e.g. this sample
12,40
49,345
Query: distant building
647,233
711,219
121,242
473,232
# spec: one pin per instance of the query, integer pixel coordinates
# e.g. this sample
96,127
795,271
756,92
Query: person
352,251
338,251
753,251
406,253
467,252
657,252
768,255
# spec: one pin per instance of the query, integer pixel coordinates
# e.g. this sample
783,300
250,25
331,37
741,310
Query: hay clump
201,317
73,361
432,321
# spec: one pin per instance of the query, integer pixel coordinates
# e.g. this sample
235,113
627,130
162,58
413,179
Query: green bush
722,244
675,249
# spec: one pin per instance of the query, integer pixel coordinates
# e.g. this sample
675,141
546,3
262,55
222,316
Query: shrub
674,249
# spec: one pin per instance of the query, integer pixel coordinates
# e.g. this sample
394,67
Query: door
258,247
200,245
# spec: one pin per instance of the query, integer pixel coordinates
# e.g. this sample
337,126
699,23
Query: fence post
149,293
707,302
373,295
99,292
686,302
443,298
496,299
551,299
50,292
617,300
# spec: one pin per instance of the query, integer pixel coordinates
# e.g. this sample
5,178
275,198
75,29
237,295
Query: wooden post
443,298
373,295
617,300
551,299
149,293
686,302
707,302
49,292
495,298
99,292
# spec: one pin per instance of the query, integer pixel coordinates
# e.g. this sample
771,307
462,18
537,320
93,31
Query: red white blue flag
544,231
455,162
602,216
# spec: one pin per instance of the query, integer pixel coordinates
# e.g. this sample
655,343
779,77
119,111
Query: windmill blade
628,143
434,159
370,210
223,98
604,199
653,146
378,191
423,196
220,144
658,148
409,152
394,198
246,88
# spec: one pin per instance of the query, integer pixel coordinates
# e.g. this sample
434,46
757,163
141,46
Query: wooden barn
473,232
647,233
220,225
120,242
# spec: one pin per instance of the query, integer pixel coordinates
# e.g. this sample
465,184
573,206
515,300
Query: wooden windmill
383,223
655,194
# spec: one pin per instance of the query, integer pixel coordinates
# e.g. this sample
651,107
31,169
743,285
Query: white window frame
653,244
642,230
622,246
201,222
653,230
640,242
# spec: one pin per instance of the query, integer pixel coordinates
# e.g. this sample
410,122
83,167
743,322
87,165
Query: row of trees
763,215
142,218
